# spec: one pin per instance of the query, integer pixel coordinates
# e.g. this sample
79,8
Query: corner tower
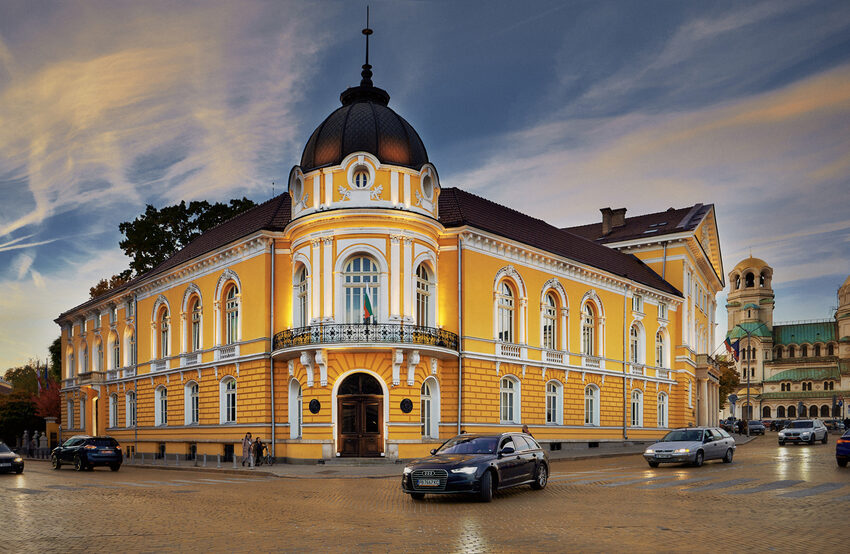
842,317
751,299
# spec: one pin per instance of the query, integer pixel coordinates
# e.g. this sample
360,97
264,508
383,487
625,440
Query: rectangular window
662,310
637,303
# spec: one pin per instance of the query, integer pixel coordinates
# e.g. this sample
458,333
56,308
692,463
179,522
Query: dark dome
364,123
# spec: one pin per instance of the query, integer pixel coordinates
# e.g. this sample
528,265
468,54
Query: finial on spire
366,74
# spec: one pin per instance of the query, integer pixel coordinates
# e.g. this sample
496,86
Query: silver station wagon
692,445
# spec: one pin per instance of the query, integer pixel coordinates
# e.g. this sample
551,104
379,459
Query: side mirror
706,440
506,451
433,451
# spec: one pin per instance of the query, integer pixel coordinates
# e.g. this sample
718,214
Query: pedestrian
744,426
246,450
525,430
258,451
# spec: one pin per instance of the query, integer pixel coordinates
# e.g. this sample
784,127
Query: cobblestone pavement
770,498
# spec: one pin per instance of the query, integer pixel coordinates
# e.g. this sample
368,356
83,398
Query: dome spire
366,81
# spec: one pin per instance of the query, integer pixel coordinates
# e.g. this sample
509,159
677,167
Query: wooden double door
360,429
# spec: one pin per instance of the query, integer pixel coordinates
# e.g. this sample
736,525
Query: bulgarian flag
733,348
367,307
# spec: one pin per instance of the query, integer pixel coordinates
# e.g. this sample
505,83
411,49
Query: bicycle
265,458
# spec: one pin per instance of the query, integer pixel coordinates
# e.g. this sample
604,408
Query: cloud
21,264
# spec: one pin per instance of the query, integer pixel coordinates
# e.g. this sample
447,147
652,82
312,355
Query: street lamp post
749,406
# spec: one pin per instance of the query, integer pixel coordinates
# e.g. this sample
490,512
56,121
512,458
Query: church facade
795,369
370,311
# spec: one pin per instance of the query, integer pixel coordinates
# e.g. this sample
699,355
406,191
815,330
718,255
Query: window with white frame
591,405
662,310
163,333
637,408
550,322
429,409
634,344
161,406
195,311
690,394
84,359
132,349
662,409
423,297
301,290
361,279
116,353
588,330
113,314
554,402
509,400
83,413
191,403
228,400
130,409
98,362
113,410
231,309
70,409
506,305
71,367
660,348
296,400
637,303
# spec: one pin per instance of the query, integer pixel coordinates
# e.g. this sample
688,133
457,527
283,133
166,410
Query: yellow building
369,311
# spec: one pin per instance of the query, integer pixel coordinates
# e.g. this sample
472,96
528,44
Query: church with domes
370,311
793,369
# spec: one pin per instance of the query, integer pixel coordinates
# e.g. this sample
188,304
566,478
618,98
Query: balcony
91,377
159,365
227,351
70,382
509,350
553,357
662,373
637,369
591,361
190,358
362,333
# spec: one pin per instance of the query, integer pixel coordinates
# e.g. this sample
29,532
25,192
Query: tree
55,351
729,379
105,285
47,401
17,414
24,378
157,234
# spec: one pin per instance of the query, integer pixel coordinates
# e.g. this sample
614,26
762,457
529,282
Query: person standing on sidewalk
246,451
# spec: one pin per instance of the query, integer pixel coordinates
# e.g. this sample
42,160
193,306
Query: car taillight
843,441
90,447
117,447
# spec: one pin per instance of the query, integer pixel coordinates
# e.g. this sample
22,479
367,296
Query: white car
804,430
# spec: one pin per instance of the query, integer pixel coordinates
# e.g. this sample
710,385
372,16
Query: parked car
9,461
834,424
842,449
779,424
756,427
691,445
728,424
804,430
86,452
478,464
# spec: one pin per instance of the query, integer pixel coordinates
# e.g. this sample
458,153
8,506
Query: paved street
770,498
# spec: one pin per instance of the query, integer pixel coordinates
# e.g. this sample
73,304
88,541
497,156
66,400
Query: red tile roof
667,222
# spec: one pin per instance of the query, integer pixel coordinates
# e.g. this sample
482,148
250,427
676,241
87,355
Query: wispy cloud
21,264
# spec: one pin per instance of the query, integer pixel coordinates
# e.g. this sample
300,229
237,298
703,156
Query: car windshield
683,435
469,445
755,423
103,442
4,448
800,424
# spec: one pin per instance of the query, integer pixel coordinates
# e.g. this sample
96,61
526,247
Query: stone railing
190,358
509,350
636,369
159,365
591,361
346,333
553,357
227,351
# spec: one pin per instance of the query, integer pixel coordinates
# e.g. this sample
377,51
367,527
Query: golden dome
754,263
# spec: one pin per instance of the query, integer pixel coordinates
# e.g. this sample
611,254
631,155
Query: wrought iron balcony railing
352,333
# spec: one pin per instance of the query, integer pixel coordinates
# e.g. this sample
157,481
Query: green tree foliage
105,285
17,413
24,378
55,359
729,379
157,234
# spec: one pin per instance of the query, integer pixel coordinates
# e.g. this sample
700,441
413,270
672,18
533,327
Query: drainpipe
459,330
136,373
625,363
271,341
664,260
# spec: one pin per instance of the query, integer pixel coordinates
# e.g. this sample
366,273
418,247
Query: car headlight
469,470
805,434
681,450
408,470
649,451
19,459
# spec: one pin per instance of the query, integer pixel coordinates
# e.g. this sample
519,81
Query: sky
553,108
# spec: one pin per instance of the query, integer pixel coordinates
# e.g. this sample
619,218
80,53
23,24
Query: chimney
611,219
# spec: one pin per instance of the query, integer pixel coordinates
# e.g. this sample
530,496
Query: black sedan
478,464
9,461
86,452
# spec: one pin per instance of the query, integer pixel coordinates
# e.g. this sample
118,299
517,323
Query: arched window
778,353
591,405
791,352
113,410
116,352
429,413
295,409
813,411
662,410
737,280
98,362
817,350
792,411
554,403
361,278
750,280
72,369
830,350
227,400
634,344
807,386
506,312
765,411
161,406
780,412
231,316
829,385
509,400
423,297
660,347
84,359
195,311
130,409
191,399
804,351
637,408
761,280
824,411
163,333
550,322
588,330
301,290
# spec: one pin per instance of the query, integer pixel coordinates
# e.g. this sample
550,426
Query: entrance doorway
360,408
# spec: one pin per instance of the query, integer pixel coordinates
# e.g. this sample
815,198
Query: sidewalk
343,469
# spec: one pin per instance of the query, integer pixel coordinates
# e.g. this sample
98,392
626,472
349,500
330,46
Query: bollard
218,461
205,460
234,462
143,458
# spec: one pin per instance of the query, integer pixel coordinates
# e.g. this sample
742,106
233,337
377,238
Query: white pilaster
317,185
327,277
315,285
395,262
406,190
408,282
394,187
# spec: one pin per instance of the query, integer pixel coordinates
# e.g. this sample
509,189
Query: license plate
427,482
106,451
5,465
662,455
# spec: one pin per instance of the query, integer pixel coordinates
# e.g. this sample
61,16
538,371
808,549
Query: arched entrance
360,412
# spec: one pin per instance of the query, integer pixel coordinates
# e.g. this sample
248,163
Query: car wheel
541,477
19,471
699,459
115,467
842,463
486,493
727,459
413,495
54,460
812,440
653,464
78,463
825,438
781,443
